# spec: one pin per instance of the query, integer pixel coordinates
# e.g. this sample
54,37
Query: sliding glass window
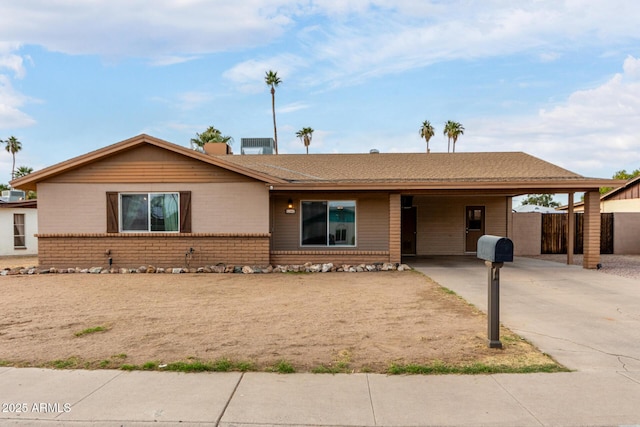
149,212
328,223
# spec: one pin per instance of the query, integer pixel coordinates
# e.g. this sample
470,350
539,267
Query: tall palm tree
426,132
12,145
271,79
305,135
210,135
453,130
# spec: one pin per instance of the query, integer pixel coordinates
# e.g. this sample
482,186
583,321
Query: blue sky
557,79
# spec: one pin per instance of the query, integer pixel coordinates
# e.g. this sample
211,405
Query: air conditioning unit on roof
257,146
13,195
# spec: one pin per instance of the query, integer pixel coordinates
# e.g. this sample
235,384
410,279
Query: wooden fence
554,233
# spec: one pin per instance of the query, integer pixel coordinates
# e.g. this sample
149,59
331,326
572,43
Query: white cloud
10,103
121,28
13,63
162,61
593,132
350,40
248,76
293,107
390,39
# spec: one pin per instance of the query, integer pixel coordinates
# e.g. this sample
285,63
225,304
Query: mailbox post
495,251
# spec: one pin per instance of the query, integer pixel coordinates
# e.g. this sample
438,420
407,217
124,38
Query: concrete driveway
585,319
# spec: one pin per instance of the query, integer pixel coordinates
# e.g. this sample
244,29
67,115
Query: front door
474,227
409,228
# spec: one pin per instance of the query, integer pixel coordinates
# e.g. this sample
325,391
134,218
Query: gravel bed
618,265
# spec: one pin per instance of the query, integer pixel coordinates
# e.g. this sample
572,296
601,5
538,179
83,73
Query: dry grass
354,321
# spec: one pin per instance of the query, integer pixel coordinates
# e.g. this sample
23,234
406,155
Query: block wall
160,250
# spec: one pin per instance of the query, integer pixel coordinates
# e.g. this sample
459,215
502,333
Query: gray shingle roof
402,167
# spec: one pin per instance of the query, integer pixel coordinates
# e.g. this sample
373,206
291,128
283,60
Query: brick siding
132,250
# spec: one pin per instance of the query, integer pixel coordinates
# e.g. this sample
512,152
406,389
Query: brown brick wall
591,229
395,232
163,250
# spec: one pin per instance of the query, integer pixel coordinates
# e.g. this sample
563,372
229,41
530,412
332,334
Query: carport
449,221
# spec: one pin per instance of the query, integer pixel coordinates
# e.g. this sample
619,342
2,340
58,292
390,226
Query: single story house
147,201
18,227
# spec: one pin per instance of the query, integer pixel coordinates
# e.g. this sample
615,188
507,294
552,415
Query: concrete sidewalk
587,320
104,398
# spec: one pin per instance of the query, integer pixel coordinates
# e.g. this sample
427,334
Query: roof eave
519,186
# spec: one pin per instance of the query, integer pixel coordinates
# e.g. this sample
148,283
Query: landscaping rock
404,267
220,268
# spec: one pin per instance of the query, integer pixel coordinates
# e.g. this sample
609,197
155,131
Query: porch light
290,209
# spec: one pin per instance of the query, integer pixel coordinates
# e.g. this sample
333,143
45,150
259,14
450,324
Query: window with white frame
328,223
19,240
149,212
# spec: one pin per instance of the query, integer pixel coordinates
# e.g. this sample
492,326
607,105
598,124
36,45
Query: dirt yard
361,320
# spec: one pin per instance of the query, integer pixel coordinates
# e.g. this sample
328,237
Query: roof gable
148,164
111,153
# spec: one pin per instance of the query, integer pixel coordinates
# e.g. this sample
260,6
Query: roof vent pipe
374,151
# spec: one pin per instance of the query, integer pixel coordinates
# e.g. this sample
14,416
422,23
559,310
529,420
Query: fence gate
554,233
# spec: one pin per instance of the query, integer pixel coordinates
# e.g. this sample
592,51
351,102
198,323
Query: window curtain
18,231
164,212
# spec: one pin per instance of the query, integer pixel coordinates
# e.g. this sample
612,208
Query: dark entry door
474,227
409,230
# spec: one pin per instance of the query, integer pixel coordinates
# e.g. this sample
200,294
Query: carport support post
493,305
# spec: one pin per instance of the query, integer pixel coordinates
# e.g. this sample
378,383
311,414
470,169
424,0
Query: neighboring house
18,227
147,201
621,199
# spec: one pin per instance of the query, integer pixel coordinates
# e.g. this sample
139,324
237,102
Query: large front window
329,223
150,211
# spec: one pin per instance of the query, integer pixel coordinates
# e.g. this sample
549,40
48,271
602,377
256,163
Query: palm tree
305,135
12,145
271,79
426,132
210,135
453,130
23,171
